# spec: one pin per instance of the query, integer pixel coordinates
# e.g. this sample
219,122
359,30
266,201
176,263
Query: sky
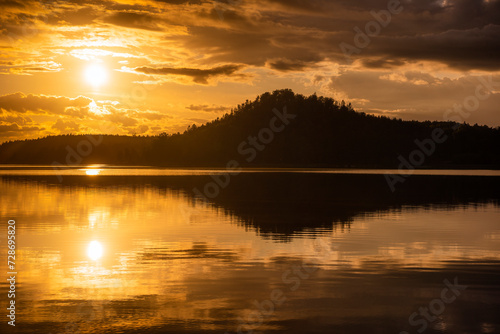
146,67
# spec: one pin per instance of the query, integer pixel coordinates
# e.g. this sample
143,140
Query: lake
150,250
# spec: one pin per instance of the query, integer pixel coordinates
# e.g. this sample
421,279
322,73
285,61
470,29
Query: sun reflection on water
95,250
92,171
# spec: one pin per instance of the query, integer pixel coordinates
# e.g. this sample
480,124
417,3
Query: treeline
282,129
76,149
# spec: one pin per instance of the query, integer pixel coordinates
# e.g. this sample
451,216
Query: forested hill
279,129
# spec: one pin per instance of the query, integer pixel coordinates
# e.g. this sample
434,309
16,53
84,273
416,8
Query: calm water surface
272,253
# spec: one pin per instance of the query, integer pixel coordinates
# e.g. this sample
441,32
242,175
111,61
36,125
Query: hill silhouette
279,129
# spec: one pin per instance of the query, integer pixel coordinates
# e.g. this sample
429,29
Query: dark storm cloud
467,14
464,34
477,48
198,75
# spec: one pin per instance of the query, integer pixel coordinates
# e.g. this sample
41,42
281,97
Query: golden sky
146,67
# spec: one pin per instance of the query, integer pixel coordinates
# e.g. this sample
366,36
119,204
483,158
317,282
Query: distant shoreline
260,167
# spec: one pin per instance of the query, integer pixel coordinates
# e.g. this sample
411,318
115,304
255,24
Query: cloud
28,67
380,62
19,113
285,35
5,129
200,76
121,118
139,130
19,102
148,115
74,16
11,4
63,126
18,119
475,48
314,6
9,127
414,95
208,108
286,65
135,20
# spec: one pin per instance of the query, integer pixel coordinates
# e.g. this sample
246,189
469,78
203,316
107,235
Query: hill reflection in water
142,254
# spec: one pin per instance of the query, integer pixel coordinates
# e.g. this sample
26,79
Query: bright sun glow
96,75
92,171
94,250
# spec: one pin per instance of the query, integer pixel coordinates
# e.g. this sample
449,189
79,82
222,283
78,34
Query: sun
94,250
96,75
